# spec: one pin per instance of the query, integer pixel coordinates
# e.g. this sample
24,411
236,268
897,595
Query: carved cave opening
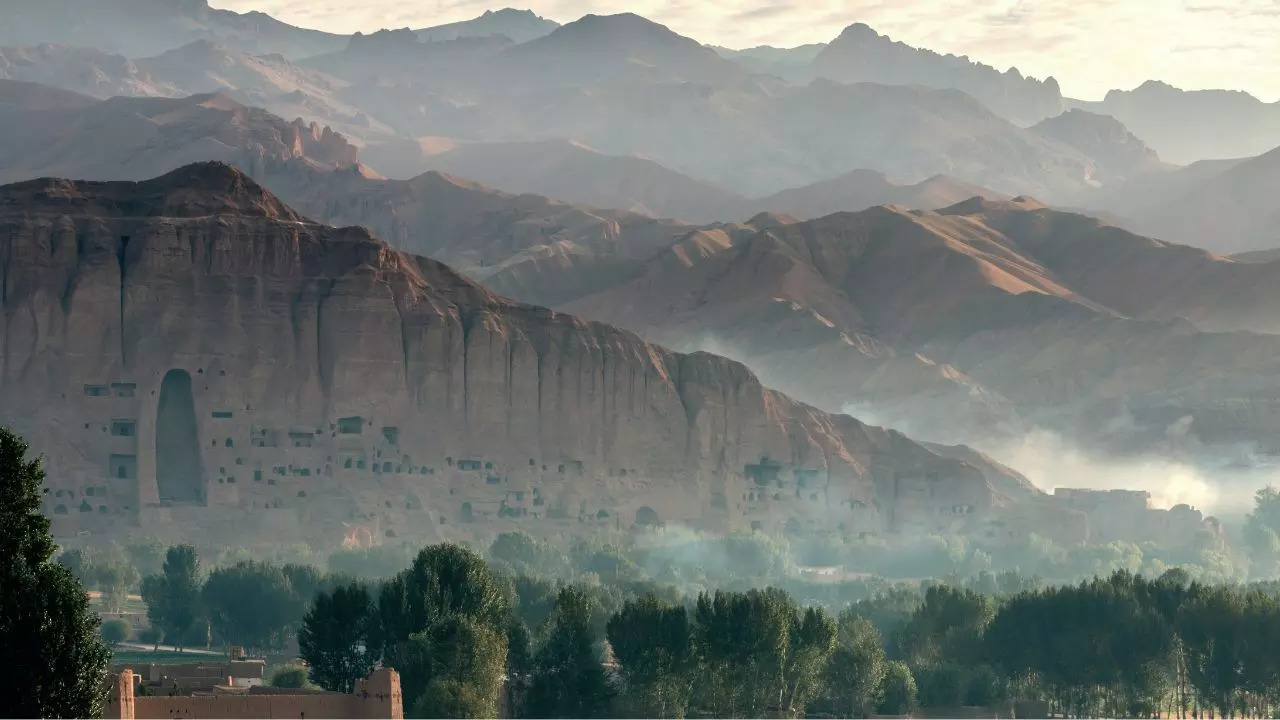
647,516
179,475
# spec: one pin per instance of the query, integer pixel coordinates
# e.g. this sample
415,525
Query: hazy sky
1090,46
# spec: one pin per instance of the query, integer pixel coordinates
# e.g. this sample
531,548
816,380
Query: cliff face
190,354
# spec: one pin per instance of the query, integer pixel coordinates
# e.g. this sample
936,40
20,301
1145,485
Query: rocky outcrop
190,354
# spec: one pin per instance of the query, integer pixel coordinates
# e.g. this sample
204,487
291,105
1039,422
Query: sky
1090,46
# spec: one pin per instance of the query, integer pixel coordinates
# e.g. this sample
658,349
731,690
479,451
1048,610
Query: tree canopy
53,658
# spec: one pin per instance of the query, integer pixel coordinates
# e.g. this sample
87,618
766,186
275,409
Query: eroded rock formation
190,354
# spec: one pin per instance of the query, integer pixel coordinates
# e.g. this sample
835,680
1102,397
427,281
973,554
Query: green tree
249,604
445,584
653,643
519,665
810,642
106,569
1213,628
147,555
742,641
516,549
444,579
80,563
335,637
114,575
115,632
856,669
53,658
291,676
1262,533
569,680
898,691
173,597
948,624
466,660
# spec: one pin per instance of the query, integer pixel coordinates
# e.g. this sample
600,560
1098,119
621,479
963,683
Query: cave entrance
179,474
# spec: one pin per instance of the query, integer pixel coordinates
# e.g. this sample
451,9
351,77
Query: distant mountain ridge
860,54
139,138
518,25
1187,126
143,28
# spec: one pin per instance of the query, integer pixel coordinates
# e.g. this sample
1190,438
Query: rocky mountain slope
757,138
862,189
575,173
568,171
190,354
1006,314
1232,210
539,249
792,64
93,72
613,48
1118,155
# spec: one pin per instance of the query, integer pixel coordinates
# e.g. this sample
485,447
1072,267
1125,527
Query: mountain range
626,86
895,310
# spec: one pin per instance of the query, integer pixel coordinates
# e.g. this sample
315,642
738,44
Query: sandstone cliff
190,354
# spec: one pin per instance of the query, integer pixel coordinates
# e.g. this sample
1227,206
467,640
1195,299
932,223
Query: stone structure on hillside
377,696
191,356
1127,516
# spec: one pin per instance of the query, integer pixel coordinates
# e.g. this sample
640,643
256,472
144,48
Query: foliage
653,643
898,690
53,658
465,661
115,632
173,597
105,569
334,637
445,603
856,669
569,680
291,676
259,625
